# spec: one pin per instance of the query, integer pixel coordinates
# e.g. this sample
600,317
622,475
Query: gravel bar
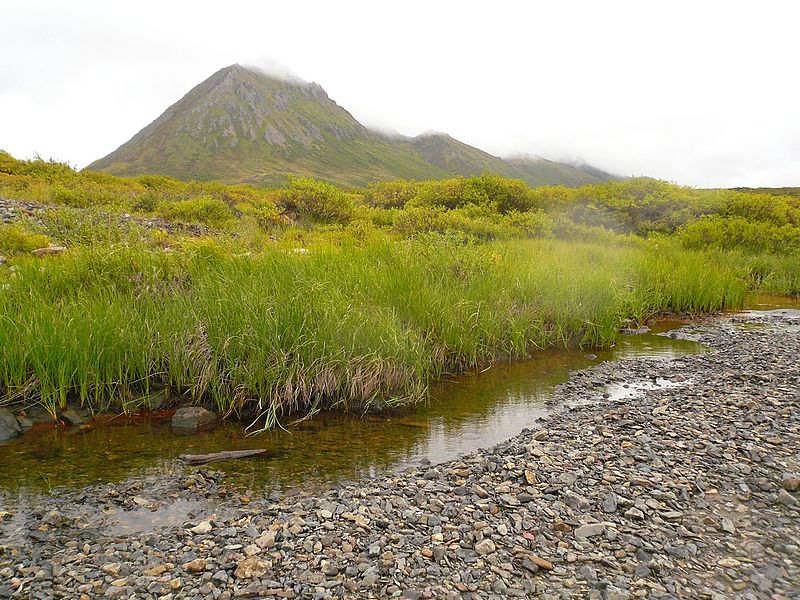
653,478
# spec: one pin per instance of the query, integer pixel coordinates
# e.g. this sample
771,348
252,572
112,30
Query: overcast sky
703,93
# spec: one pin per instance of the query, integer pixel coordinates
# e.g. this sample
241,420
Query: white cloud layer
702,93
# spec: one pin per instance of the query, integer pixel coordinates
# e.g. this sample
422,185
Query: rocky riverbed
655,479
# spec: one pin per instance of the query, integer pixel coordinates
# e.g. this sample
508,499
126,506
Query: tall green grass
355,328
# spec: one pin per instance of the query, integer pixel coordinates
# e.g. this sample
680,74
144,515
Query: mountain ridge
243,125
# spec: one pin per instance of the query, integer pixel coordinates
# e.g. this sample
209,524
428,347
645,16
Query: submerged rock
74,415
192,419
9,426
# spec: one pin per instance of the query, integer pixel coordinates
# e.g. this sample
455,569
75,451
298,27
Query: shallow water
465,413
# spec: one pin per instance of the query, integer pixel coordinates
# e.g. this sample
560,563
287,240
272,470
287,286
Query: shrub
68,197
531,224
146,202
506,194
727,233
14,239
202,209
318,201
268,216
391,194
449,194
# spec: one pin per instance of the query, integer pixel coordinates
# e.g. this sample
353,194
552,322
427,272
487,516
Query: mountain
540,171
459,158
241,125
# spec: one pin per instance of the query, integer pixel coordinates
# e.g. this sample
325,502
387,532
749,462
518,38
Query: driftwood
201,459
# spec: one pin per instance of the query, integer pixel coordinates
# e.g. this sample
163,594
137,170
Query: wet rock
191,419
74,415
9,426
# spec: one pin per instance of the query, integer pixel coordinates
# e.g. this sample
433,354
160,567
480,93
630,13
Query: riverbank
679,485
124,295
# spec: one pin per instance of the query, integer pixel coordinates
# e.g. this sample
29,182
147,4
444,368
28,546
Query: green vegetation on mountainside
241,125
312,297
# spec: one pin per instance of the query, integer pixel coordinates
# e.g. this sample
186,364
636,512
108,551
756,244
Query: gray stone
786,498
589,530
9,426
191,419
485,547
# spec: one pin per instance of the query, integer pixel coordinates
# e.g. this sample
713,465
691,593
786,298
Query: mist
703,95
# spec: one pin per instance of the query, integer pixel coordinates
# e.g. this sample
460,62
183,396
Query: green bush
268,216
318,201
391,194
449,194
506,194
728,233
68,197
202,209
14,239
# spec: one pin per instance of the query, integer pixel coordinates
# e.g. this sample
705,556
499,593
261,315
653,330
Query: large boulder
9,426
192,419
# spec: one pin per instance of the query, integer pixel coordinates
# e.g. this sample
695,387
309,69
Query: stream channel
466,412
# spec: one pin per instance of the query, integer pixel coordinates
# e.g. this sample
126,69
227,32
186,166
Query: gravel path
682,485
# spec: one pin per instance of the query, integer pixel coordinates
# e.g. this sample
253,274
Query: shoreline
677,491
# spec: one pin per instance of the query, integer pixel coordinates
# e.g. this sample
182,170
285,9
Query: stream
467,412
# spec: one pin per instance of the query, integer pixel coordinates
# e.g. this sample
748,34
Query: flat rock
49,251
589,530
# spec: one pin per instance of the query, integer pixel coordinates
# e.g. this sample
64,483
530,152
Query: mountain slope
241,125
457,157
462,159
540,171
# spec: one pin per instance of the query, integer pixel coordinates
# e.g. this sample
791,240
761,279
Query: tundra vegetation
271,302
